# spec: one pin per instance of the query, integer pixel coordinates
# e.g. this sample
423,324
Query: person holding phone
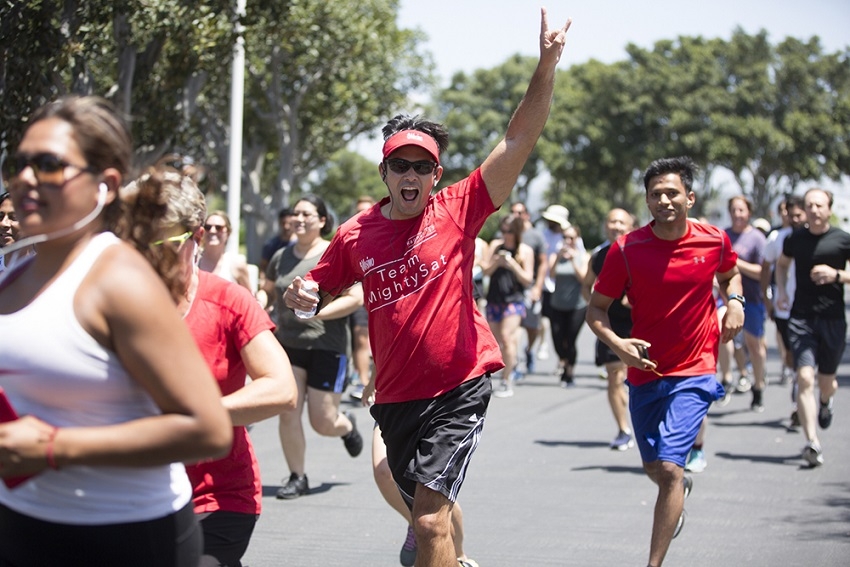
567,268
667,270
509,263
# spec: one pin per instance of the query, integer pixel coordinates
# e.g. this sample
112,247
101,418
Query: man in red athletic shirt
667,269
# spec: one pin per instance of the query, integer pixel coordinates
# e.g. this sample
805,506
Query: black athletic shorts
430,442
817,342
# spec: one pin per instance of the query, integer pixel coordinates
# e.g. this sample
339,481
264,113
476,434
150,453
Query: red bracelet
51,459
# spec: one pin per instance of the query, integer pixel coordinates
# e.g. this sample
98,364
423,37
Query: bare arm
489,261
524,269
241,274
502,167
587,283
733,318
272,386
783,263
599,322
764,284
749,269
540,277
343,304
346,303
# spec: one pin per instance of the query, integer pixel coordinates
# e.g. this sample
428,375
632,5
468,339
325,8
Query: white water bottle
312,288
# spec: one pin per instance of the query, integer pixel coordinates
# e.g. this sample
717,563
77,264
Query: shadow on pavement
271,491
613,469
579,444
772,459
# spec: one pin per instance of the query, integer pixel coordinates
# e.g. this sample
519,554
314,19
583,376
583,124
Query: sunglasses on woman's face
398,165
48,169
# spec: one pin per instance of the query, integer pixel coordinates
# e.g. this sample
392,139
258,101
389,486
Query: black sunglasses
398,165
49,169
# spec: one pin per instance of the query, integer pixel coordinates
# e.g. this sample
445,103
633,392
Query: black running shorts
430,442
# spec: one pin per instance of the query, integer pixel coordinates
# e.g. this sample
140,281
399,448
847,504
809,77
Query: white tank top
52,368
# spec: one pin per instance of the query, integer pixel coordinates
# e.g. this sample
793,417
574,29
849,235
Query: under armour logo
699,260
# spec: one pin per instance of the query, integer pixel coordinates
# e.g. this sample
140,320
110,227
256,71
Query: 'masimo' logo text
396,280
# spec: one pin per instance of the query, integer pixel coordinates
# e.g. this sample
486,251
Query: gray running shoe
622,442
743,385
407,555
813,455
680,524
688,483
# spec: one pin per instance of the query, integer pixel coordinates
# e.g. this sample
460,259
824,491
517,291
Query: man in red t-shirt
667,270
432,349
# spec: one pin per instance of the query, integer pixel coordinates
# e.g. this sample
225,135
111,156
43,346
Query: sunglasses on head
48,169
398,165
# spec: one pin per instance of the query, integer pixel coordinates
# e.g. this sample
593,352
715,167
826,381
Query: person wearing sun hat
432,348
557,214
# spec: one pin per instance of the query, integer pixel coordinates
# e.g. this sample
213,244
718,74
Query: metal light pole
234,166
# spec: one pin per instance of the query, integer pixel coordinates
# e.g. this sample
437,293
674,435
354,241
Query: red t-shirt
669,285
224,318
427,335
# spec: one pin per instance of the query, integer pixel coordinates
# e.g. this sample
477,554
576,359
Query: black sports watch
738,297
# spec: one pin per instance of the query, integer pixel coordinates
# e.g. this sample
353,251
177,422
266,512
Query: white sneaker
813,455
503,390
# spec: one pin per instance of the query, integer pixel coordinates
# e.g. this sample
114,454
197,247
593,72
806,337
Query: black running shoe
297,486
352,440
825,414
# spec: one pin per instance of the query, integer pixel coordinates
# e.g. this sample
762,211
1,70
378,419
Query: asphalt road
545,489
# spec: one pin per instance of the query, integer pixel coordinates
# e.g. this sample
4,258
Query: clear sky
465,35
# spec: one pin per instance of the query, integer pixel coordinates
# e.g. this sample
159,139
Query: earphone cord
38,238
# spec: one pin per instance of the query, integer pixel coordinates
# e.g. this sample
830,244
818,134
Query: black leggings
226,537
565,328
172,541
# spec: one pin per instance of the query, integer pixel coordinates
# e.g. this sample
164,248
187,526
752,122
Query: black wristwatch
738,297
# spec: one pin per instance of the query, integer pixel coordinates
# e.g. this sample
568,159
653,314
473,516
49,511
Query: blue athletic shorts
667,414
754,315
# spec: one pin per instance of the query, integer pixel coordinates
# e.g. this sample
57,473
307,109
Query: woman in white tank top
114,393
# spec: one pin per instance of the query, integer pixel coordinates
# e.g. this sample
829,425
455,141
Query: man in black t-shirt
817,327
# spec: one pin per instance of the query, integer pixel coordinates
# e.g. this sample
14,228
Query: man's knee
664,473
431,513
805,377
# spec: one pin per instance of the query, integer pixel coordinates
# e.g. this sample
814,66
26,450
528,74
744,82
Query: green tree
476,110
318,74
347,177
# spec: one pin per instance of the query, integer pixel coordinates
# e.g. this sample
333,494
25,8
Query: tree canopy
319,74
772,115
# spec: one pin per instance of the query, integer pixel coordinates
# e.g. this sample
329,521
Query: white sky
465,35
